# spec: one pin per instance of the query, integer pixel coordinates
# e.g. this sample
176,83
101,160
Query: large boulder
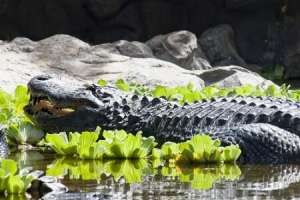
180,48
219,46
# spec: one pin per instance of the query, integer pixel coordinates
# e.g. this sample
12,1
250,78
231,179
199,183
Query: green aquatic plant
190,94
12,180
118,144
84,145
199,149
131,87
19,129
62,143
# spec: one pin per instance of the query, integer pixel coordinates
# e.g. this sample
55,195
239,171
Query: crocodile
267,129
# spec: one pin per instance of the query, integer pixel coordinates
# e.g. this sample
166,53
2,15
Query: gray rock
37,174
71,58
48,179
46,186
131,49
54,188
232,76
219,46
180,48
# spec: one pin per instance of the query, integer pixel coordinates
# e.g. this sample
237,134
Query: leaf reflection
199,176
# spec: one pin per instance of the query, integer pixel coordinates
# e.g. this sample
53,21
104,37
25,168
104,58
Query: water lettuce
190,94
119,144
11,181
116,144
20,130
62,143
202,149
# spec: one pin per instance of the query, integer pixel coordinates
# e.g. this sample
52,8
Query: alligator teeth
43,105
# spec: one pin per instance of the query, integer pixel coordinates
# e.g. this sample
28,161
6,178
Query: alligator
267,129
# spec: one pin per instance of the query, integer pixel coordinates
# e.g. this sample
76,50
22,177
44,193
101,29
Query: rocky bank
173,59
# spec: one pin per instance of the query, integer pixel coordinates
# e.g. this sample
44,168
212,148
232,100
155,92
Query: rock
54,188
46,186
48,179
71,58
180,48
218,44
232,76
37,174
131,49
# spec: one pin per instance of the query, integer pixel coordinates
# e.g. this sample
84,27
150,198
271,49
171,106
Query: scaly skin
267,129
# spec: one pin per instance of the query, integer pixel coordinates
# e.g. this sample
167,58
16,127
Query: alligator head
60,105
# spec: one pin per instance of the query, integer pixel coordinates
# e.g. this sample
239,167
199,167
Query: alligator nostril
43,78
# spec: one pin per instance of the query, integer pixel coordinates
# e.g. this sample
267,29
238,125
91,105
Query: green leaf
21,98
102,83
231,153
156,153
15,185
9,166
60,144
169,150
160,91
122,85
120,135
88,148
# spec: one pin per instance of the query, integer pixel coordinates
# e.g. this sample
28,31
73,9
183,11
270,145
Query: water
145,180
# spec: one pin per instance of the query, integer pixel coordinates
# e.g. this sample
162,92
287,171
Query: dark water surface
152,180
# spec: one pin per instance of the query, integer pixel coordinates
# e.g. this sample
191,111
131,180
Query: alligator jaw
57,105
42,104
